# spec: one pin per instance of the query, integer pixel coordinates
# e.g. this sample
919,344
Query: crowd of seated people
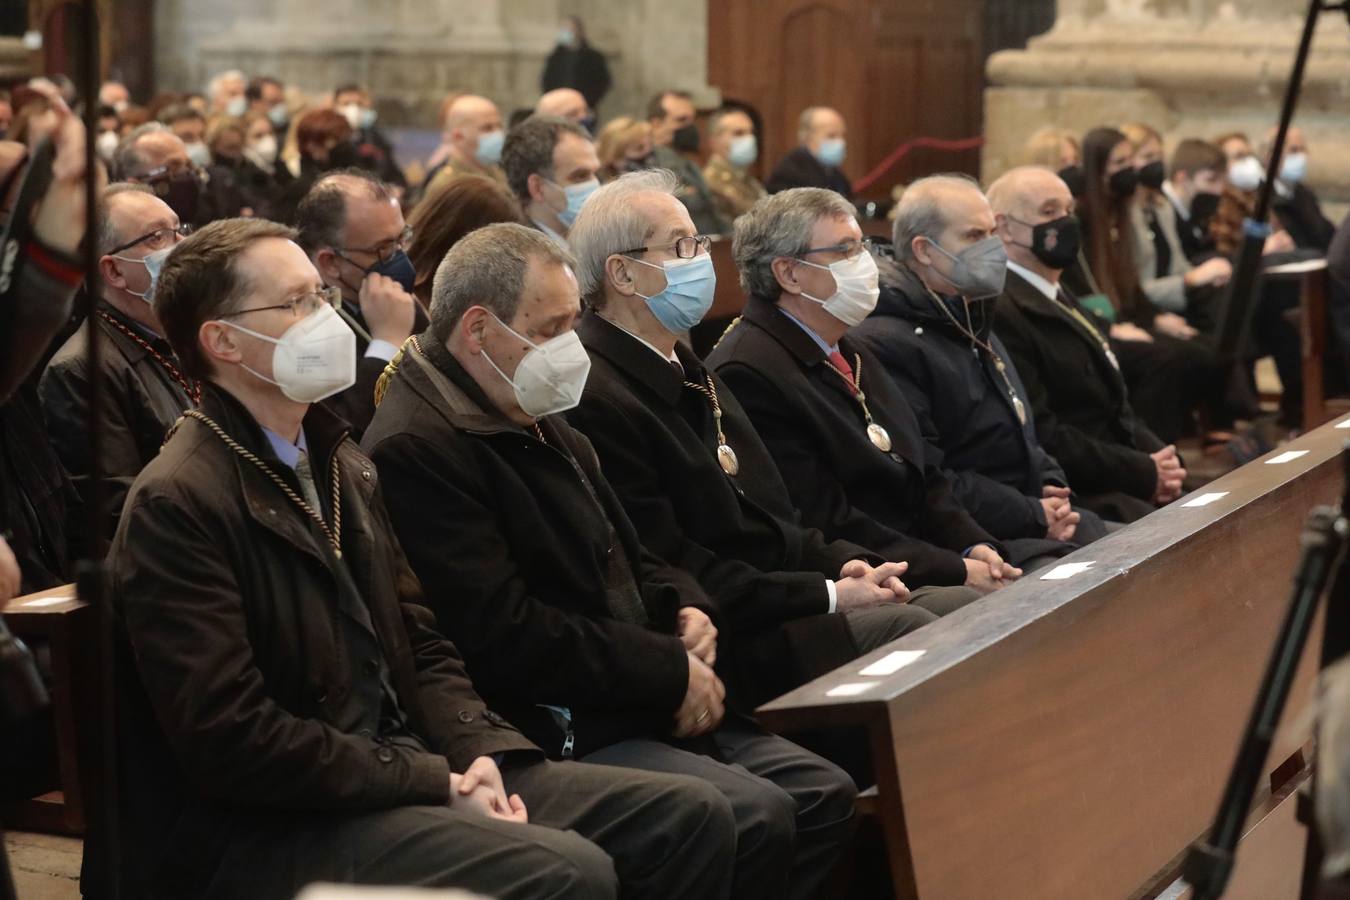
439,557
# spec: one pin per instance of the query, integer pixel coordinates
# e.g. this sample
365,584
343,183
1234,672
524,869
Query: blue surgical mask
489,151
236,107
565,36
1294,167
744,150
688,294
153,263
576,195
368,117
832,151
279,116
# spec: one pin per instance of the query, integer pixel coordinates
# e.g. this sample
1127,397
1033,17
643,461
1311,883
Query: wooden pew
1070,737
67,627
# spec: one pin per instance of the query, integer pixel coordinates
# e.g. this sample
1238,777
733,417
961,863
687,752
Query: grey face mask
978,271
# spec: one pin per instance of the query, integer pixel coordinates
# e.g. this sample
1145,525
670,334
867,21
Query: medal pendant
1021,410
726,458
879,438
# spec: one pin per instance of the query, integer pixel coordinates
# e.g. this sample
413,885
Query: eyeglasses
175,169
300,305
157,239
685,247
386,250
848,249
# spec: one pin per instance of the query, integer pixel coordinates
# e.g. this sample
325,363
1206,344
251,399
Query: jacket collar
324,433
129,348
1026,296
767,315
904,295
627,354
436,376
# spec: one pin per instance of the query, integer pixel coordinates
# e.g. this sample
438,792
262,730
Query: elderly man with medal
842,434
934,333
700,486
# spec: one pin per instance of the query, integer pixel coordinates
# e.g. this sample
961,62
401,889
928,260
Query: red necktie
837,360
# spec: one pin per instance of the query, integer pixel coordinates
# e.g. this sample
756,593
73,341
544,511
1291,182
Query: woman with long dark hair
1168,374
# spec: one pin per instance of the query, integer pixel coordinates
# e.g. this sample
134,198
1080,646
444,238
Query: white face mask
551,376
106,144
1246,174
153,262
856,288
199,153
266,148
314,359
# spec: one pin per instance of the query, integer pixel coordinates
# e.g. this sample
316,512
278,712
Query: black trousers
594,832
793,810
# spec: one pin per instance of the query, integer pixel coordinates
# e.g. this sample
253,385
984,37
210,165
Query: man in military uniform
734,151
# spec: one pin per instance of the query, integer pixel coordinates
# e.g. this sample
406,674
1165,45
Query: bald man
1295,203
1060,349
473,134
818,158
564,103
933,332
145,385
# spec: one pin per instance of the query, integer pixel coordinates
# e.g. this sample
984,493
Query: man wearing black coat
574,63
145,388
648,409
1295,204
289,713
1119,468
843,435
940,348
352,227
600,651
816,161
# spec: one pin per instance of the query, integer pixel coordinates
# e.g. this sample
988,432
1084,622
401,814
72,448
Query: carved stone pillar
1190,68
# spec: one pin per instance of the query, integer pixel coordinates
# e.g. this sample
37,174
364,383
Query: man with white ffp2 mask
146,388
844,436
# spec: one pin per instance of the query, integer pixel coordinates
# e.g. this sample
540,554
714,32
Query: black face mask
1056,242
343,156
1072,176
1203,208
1123,183
685,139
1153,175
182,193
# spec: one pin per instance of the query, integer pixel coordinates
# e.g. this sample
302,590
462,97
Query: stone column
1190,68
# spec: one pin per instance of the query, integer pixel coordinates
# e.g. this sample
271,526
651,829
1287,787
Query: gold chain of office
335,533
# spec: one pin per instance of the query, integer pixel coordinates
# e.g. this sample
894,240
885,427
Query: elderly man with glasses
351,225
692,474
845,438
145,388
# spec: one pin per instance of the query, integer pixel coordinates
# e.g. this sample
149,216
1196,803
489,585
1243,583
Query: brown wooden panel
1074,736
896,69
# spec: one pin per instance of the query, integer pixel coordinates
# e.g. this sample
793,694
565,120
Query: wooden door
895,69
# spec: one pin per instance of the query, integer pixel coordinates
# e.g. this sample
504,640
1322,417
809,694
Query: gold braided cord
390,369
335,533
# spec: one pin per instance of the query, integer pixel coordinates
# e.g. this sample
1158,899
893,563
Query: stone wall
1187,67
412,52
